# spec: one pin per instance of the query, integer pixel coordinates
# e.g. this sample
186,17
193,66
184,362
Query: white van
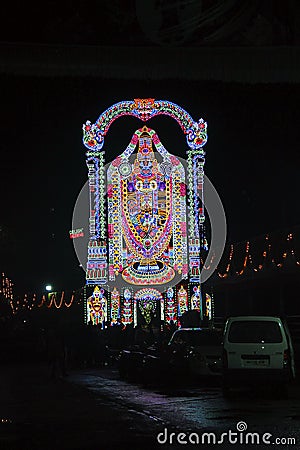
256,348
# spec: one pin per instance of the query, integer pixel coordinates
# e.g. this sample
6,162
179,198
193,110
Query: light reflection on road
198,407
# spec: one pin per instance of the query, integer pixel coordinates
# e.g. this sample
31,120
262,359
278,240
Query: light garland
266,255
6,288
245,259
54,300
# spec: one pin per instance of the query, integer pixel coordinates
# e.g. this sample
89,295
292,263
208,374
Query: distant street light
48,288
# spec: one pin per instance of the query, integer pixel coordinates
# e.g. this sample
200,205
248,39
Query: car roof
267,318
199,329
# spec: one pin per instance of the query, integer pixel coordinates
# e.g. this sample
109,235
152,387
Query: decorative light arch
147,299
144,109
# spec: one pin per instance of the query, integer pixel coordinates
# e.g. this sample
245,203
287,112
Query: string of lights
64,300
266,255
54,300
6,288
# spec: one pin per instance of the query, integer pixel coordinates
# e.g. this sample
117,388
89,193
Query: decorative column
96,271
196,214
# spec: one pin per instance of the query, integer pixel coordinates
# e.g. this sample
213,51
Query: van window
255,331
197,337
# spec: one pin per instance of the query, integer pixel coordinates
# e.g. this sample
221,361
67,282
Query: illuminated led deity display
146,218
147,214
97,307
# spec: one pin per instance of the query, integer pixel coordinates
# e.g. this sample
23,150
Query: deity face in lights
97,300
96,303
146,167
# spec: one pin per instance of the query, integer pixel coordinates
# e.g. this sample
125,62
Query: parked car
257,349
197,350
131,361
190,353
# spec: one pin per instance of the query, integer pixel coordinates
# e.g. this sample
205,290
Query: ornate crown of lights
144,109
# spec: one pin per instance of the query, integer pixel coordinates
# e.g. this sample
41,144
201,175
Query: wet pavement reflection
200,407
93,409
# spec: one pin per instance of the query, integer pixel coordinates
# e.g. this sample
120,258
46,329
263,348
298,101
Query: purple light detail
130,186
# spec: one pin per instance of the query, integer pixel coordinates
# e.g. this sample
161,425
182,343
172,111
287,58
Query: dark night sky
252,158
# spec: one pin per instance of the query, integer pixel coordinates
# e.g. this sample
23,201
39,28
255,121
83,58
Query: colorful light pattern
154,214
96,272
196,298
6,288
115,306
170,306
97,307
148,300
182,301
144,109
127,314
151,212
208,307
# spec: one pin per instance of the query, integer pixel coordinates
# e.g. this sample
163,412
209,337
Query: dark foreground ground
91,409
39,413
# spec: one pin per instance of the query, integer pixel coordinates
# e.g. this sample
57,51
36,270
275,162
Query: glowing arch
147,299
144,109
